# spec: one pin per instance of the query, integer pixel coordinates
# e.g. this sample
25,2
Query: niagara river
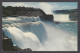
39,35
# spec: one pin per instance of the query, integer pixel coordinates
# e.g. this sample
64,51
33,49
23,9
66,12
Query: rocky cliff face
47,17
7,44
23,11
73,16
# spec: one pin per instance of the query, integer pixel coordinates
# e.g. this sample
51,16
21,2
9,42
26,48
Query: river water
31,32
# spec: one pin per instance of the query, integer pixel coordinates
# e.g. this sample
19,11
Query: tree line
17,11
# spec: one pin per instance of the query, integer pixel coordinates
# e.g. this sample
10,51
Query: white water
40,36
21,39
58,40
9,20
48,9
61,17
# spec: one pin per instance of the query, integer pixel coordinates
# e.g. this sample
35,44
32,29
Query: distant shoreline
69,21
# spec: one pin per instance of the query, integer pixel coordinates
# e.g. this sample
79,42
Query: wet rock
47,17
28,49
8,45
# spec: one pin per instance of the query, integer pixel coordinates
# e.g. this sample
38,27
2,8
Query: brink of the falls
31,32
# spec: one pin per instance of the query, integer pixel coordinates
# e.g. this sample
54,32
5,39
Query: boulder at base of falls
28,49
7,44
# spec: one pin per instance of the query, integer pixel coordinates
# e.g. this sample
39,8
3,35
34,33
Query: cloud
47,7
22,5
65,6
19,4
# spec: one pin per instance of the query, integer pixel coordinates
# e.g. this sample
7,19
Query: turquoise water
28,34
70,27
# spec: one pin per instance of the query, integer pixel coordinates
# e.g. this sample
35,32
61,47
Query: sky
47,7
51,5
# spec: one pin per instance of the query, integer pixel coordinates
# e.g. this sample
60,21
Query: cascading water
21,39
61,17
25,34
38,35
58,40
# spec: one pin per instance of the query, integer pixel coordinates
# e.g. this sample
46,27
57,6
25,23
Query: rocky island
26,11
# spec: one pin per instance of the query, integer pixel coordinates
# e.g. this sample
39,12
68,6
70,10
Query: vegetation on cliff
66,11
21,11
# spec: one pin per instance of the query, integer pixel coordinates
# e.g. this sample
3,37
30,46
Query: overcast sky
52,5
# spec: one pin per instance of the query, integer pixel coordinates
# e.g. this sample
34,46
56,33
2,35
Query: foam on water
25,33
61,17
40,36
10,20
59,40
21,39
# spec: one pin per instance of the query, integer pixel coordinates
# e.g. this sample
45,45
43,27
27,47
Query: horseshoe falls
62,17
30,32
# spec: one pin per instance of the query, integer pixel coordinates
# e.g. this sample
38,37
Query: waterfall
58,40
34,27
61,17
23,40
38,35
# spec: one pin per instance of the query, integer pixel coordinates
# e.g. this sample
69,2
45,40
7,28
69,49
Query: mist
40,35
30,37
